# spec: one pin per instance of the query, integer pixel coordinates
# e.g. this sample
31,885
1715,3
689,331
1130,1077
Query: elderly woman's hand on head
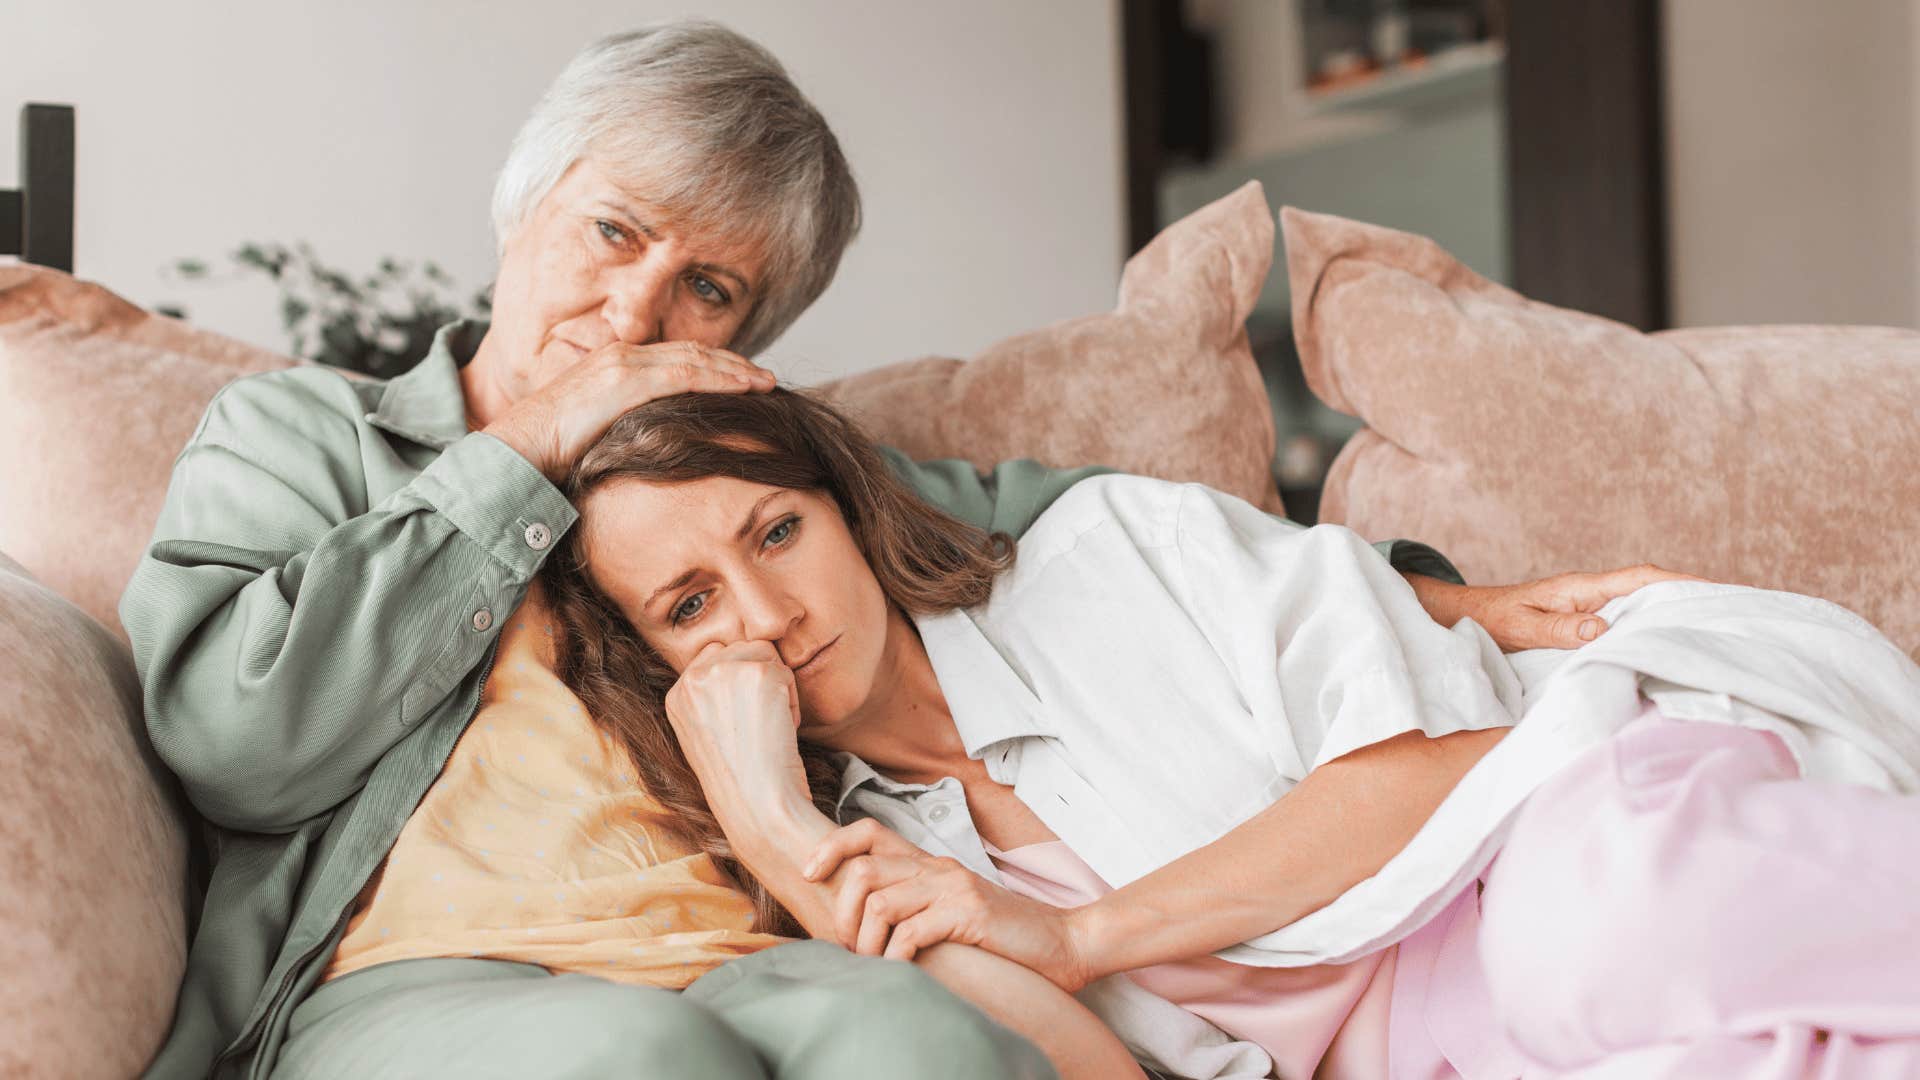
555,424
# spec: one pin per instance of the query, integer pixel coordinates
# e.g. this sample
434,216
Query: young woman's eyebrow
664,589
753,516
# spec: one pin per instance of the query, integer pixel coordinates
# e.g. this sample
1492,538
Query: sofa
1518,438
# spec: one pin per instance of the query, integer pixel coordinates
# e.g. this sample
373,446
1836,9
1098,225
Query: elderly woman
317,618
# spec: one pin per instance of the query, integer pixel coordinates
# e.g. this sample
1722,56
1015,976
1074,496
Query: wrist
525,445
1088,928
1443,601
780,830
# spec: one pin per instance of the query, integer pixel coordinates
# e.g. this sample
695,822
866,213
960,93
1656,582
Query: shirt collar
426,404
856,774
990,701
989,698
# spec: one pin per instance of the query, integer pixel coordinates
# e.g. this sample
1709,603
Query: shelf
1463,69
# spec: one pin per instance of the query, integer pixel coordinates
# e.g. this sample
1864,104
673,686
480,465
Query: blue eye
708,291
611,232
681,614
780,535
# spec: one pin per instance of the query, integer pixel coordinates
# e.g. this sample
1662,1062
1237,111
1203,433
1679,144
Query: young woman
1170,728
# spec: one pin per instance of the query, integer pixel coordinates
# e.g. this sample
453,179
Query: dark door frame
1586,157
1586,160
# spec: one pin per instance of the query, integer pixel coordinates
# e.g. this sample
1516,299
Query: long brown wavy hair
925,560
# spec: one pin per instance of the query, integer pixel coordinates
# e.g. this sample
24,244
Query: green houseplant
379,323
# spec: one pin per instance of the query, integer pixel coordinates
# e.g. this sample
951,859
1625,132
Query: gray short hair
722,139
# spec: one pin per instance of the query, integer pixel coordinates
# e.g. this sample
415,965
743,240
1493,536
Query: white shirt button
539,536
482,620
938,814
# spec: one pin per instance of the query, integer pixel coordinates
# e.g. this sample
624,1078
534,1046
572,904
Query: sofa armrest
93,862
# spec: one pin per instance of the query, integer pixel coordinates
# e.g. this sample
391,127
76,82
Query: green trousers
800,1011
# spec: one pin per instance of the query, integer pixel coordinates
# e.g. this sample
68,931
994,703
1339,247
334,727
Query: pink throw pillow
97,396
1163,385
1524,439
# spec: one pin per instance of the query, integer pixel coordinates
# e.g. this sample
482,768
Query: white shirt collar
990,701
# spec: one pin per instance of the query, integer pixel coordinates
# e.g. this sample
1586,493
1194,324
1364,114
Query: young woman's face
726,560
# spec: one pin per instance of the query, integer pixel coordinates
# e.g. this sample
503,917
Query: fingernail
809,870
1589,630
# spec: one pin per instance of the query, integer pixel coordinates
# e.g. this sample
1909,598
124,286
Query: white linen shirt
1163,661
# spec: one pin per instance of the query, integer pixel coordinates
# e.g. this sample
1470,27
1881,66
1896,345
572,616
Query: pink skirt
1677,902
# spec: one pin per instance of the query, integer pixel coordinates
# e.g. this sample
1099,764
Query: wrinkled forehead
641,521
698,198
641,534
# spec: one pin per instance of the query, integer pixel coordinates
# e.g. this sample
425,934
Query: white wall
1793,179
986,137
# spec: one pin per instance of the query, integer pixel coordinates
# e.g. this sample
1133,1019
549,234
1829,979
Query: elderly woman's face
727,560
595,263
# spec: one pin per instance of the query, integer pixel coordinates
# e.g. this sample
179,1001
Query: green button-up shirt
313,623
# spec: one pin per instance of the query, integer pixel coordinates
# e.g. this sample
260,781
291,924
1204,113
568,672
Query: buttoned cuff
499,500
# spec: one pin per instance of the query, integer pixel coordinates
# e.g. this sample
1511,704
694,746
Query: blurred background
1677,163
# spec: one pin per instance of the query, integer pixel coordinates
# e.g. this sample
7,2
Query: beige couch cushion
93,856
1524,439
1164,385
97,396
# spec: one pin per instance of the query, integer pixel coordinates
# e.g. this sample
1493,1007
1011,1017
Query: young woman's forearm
1078,1044
1336,828
773,840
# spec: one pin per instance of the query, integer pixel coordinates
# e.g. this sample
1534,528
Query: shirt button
939,814
539,536
482,620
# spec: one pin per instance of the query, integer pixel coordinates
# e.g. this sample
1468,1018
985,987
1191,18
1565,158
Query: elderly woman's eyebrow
626,211
721,271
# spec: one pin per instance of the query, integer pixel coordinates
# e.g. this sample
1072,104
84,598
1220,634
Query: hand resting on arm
734,711
1337,827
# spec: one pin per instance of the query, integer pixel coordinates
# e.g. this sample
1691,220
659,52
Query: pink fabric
1678,902
1328,1022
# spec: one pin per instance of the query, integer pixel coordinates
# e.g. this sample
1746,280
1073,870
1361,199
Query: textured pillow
93,855
96,398
1164,385
1524,439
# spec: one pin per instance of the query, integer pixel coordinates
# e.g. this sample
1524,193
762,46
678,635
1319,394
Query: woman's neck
905,730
